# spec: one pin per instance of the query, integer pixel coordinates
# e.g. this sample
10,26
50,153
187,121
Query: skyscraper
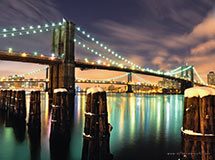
211,78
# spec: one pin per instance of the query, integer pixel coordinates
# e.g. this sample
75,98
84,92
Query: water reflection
34,133
141,124
198,148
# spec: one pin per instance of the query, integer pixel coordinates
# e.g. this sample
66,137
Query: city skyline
163,35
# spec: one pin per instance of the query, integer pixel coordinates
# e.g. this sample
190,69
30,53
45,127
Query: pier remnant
97,129
199,112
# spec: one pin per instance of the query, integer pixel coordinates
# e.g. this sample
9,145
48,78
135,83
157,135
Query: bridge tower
187,83
129,87
63,75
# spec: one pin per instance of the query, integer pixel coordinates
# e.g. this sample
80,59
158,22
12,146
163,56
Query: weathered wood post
4,93
34,125
199,112
13,101
1,99
61,125
20,104
97,129
35,111
8,99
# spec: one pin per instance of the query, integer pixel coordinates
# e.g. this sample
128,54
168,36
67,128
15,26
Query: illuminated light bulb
35,53
10,50
75,40
4,30
97,42
4,35
83,32
24,55
96,53
105,47
84,45
31,27
100,55
79,43
13,29
101,45
41,30
20,33
46,25
93,39
113,52
88,36
116,55
78,28
47,29
12,34
34,31
53,24
59,23
27,32
99,61
107,59
88,48
92,50
39,26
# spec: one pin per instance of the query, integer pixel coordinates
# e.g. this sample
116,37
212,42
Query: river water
144,127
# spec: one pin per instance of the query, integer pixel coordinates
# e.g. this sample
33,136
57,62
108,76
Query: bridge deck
25,57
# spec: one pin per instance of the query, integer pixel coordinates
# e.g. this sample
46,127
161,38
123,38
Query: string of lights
106,48
5,33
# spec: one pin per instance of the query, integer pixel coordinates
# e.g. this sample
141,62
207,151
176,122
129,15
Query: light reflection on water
141,123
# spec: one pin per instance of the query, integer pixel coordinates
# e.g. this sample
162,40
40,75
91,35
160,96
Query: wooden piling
35,111
60,110
20,104
96,131
199,112
13,101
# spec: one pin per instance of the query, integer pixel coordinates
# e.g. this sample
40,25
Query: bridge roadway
45,60
28,58
82,81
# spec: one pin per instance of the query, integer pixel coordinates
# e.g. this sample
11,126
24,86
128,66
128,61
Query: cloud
204,48
28,12
206,29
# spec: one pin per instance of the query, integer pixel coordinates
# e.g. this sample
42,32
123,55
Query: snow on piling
199,111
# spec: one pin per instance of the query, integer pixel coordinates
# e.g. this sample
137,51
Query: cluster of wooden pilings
97,129
14,102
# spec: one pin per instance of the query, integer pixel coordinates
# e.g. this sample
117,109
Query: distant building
168,83
211,78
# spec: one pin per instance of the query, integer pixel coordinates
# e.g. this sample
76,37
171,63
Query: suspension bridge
62,61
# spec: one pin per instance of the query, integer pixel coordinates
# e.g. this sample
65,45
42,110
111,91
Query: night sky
153,33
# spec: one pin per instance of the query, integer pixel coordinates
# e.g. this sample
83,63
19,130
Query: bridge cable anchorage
4,33
104,47
200,78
